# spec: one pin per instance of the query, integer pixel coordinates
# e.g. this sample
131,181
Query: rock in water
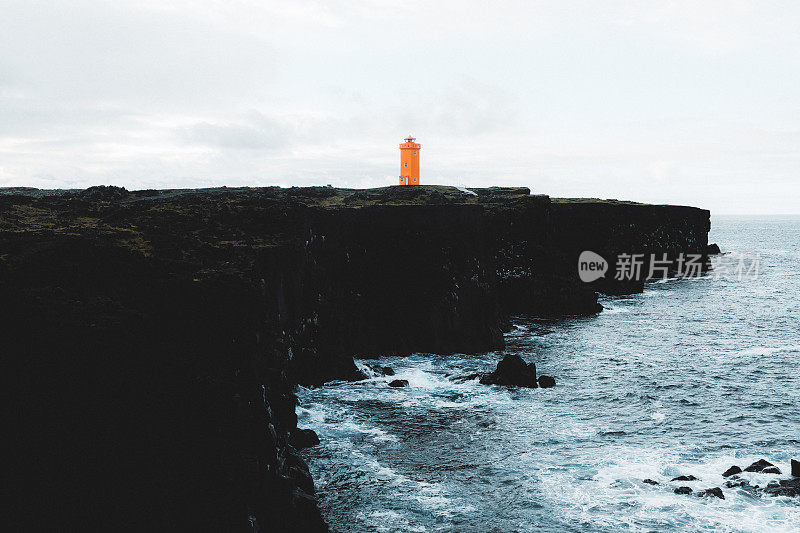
683,490
713,249
512,371
716,492
733,483
758,466
467,377
795,468
303,438
382,370
399,383
771,470
784,487
732,471
684,478
650,481
546,382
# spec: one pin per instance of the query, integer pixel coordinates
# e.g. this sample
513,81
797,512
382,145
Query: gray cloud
257,133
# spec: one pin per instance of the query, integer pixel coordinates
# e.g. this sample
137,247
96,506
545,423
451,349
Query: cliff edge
156,337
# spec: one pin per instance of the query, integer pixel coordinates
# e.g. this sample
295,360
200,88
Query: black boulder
303,438
758,466
716,492
546,382
732,471
512,371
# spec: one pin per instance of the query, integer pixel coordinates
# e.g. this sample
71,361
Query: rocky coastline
156,337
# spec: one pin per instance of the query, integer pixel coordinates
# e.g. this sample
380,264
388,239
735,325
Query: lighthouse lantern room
409,162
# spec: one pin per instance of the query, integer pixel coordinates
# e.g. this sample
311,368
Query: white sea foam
615,310
618,482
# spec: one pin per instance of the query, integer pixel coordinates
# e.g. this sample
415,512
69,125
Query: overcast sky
694,102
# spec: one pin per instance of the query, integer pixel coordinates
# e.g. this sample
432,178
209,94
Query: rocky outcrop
547,382
759,466
779,487
382,370
795,468
732,471
303,438
512,371
156,337
784,487
715,492
615,229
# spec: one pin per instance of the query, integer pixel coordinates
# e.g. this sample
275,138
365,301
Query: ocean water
690,377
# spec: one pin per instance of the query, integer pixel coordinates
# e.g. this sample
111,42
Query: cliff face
613,229
157,336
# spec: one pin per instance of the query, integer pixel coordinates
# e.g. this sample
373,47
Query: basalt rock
683,490
771,470
303,438
795,468
758,466
650,481
784,487
512,371
684,478
715,492
734,483
713,249
399,383
157,336
382,370
466,377
732,471
546,382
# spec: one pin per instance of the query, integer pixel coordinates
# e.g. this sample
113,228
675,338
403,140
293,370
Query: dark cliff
155,337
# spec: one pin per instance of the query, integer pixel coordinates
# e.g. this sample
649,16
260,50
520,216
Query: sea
688,378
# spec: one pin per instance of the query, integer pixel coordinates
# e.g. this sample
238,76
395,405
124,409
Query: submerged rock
467,377
546,382
715,492
382,370
650,481
795,468
512,371
758,466
733,483
399,383
784,487
303,438
683,490
732,471
684,478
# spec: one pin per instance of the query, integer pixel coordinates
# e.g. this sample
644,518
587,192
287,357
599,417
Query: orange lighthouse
409,162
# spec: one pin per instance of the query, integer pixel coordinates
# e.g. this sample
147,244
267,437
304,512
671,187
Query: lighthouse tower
409,162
